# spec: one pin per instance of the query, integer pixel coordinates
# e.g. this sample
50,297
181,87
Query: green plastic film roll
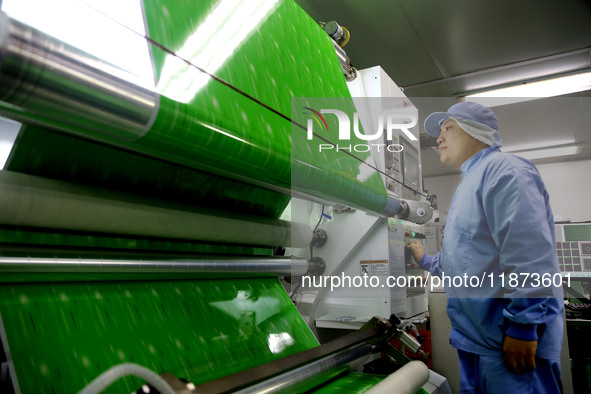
233,121
61,336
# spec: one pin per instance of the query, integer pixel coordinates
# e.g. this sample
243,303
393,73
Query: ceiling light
533,90
549,152
540,145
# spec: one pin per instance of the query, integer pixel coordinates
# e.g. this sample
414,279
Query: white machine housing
360,243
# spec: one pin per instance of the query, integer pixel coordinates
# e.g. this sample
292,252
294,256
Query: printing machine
162,193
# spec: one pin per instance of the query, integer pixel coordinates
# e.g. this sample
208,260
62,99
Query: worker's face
455,145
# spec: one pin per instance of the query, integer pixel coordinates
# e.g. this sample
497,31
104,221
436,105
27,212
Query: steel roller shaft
272,265
47,80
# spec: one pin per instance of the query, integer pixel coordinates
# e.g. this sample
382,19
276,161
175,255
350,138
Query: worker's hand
417,250
519,355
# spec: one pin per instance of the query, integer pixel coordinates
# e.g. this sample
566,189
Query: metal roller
406,380
271,265
307,377
418,212
393,207
40,202
413,211
48,80
349,71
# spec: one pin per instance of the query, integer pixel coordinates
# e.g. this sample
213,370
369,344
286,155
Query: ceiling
440,50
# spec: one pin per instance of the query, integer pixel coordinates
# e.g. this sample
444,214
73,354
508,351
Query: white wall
569,186
443,187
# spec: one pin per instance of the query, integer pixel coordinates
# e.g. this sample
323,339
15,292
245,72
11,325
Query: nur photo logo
385,123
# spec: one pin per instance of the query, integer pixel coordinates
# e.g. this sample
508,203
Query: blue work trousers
489,375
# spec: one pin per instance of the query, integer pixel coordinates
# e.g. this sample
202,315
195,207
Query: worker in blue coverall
507,319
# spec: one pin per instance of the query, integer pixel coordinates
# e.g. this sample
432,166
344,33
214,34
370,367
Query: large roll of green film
55,155
61,336
234,125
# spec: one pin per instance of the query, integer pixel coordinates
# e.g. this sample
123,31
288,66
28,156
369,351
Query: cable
118,371
313,231
319,220
226,83
298,285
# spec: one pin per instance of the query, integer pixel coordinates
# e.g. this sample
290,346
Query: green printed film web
272,66
234,126
63,336
55,155
343,175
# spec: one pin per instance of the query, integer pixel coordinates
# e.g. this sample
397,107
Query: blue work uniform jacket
500,227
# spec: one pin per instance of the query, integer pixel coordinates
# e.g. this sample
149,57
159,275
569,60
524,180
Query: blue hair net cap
475,119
